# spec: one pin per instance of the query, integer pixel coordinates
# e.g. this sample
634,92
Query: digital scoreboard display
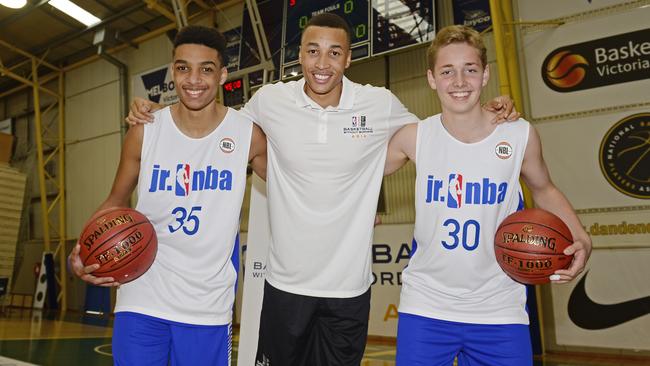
233,93
298,13
378,26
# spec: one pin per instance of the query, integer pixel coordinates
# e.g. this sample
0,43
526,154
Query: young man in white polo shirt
327,140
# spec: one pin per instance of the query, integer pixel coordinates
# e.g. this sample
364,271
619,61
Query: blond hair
456,34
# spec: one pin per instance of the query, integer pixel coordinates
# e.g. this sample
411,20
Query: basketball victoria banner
581,66
155,85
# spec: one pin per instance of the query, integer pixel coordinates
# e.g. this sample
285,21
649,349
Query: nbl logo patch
227,145
503,150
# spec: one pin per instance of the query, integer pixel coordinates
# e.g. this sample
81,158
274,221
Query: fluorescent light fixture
75,11
14,4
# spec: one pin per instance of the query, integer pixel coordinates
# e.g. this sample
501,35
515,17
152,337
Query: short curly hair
206,36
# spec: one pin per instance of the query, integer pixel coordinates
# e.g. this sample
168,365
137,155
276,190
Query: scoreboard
233,93
378,26
300,11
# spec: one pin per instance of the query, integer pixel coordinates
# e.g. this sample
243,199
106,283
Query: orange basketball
529,245
122,241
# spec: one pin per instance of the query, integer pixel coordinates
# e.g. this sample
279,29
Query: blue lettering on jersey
459,191
186,180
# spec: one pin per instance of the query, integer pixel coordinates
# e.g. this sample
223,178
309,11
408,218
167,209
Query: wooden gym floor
40,338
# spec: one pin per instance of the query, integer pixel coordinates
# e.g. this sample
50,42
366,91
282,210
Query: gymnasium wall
572,127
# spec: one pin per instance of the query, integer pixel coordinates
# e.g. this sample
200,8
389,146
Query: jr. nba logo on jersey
455,191
182,179
186,180
458,191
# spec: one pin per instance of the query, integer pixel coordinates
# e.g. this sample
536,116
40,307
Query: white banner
535,10
618,229
589,65
390,252
6,126
257,248
155,85
612,310
572,152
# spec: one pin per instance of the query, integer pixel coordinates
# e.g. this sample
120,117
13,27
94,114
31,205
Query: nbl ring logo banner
625,156
607,61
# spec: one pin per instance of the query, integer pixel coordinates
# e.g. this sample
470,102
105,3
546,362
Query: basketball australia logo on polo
359,127
606,61
185,179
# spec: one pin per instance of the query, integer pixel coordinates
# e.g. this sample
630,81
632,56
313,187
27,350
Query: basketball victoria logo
606,61
625,156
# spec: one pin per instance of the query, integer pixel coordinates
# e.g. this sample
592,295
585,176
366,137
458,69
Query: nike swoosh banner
588,314
609,305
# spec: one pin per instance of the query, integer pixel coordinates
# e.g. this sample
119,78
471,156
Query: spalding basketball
529,245
122,241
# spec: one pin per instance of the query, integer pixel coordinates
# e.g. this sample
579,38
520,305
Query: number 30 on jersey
467,234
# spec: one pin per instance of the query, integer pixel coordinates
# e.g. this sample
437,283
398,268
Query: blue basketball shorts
431,342
145,340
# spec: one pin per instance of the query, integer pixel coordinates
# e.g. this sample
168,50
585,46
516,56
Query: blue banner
473,13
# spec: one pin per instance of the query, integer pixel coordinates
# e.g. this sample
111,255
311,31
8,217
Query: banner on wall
624,155
233,48
600,161
6,126
473,13
587,65
155,85
391,250
609,305
254,272
553,9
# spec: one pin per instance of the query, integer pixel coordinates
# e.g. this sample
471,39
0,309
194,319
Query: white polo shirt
325,168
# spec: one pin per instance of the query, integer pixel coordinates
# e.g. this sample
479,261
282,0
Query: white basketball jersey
462,192
192,191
